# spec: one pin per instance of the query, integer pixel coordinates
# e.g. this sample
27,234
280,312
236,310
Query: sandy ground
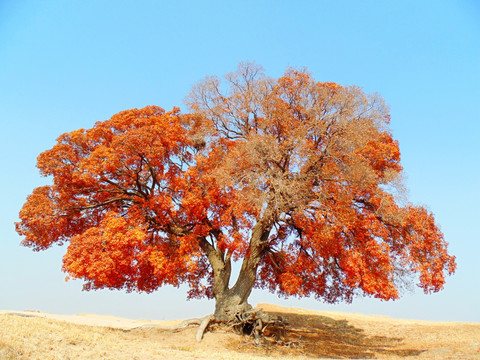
310,334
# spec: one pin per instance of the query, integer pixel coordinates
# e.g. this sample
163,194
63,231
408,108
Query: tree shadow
321,336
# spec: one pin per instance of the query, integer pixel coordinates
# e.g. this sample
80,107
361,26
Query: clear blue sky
67,64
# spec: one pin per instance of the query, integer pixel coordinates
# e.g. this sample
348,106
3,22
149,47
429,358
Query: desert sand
310,334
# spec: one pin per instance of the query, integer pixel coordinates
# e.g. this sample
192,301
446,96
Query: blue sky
66,64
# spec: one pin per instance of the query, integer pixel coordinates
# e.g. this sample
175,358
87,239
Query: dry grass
356,336
309,334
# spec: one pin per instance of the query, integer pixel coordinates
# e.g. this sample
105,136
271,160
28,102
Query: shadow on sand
321,336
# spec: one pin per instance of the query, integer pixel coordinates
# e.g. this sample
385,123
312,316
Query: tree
297,179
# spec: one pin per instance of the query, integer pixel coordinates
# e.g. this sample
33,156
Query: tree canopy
299,180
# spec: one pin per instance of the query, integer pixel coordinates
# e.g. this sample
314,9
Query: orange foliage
295,177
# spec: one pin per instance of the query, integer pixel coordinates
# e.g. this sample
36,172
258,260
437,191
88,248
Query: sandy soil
310,334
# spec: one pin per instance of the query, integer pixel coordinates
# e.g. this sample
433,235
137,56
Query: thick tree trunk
228,305
230,302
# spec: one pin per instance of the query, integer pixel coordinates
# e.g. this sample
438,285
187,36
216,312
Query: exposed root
203,326
254,323
251,322
190,322
201,322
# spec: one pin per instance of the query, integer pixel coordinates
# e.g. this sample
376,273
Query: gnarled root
254,322
203,326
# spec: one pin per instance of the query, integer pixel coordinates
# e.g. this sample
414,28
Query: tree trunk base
251,322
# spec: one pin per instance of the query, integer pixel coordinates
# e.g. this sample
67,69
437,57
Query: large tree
299,180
